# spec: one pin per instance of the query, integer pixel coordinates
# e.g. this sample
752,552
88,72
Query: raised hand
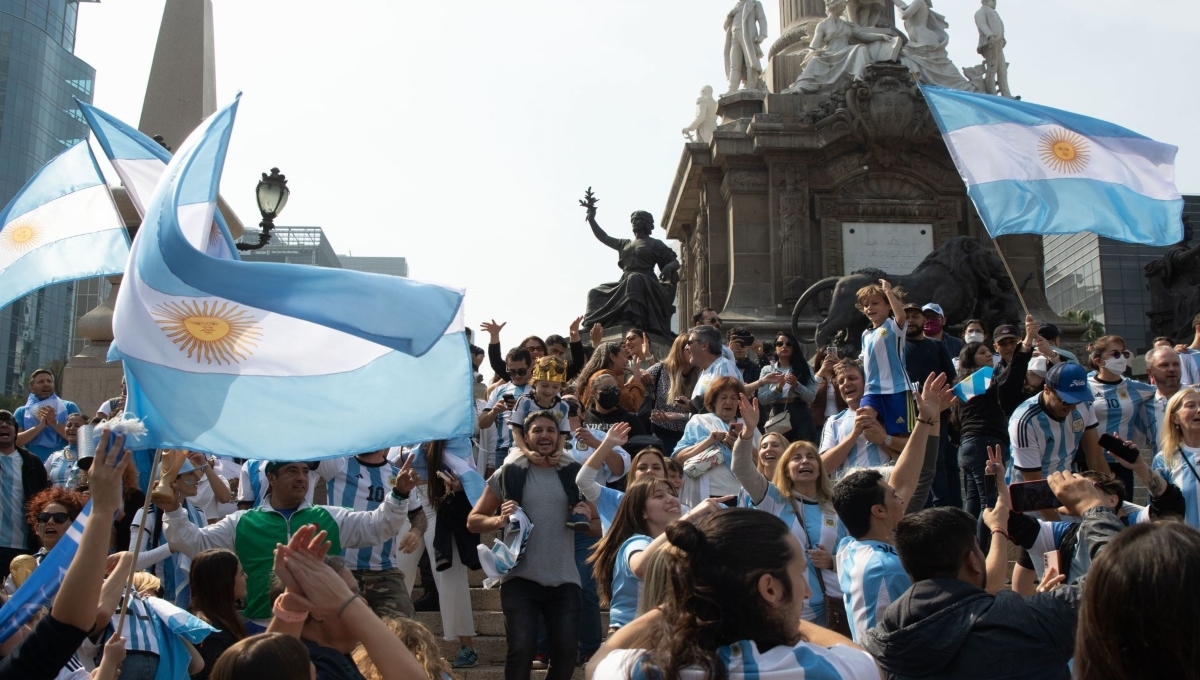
750,411
574,329
1031,330
323,588
596,334
708,506
406,478
935,396
108,468
493,329
618,434
585,435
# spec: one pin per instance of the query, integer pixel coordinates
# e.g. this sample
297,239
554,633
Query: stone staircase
490,641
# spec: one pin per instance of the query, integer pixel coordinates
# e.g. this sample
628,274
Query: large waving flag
277,361
1032,169
42,585
61,226
975,384
140,163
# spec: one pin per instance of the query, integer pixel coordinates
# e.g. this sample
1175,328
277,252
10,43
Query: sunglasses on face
785,343
56,517
1115,354
518,372
535,348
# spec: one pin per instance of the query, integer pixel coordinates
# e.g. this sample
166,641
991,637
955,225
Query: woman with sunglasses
787,386
50,513
1121,403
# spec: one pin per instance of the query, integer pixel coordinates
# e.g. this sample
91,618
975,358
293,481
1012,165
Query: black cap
911,305
1005,331
274,465
1050,332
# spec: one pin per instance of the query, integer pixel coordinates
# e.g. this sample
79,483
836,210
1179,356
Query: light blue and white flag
975,384
39,589
140,163
277,361
61,226
1032,169
507,549
172,625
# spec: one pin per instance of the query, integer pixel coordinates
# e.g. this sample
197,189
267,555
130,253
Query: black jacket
33,480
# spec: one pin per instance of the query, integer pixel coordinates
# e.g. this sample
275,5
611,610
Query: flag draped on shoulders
61,226
1031,169
275,361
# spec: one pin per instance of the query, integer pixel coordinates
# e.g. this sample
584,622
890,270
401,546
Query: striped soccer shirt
1121,407
1182,476
865,454
820,528
872,578
363,487
883,359
14,532
1039,442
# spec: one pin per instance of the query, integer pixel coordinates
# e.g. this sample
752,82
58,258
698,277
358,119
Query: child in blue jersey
549,374
1121,404
888,393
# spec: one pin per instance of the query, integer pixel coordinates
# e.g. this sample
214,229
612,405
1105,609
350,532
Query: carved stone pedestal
89,379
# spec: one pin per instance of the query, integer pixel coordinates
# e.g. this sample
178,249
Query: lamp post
272,194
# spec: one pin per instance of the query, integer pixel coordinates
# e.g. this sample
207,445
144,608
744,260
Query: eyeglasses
1115,354
57,517
518,372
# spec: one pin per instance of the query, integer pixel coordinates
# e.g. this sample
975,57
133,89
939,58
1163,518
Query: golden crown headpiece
550,369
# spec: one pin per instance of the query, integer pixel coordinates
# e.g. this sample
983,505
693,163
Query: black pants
523,601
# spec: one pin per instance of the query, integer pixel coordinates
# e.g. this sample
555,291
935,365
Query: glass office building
392,266
1104,277
39,78
294,245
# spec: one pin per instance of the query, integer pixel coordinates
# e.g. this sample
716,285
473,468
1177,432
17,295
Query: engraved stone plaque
894,248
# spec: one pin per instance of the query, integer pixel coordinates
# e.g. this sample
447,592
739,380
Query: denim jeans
972,458
523,601
590,635
138,666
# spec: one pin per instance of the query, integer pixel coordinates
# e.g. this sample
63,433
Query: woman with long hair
790,389
1121,403
269,656
610,358
770,450
218,584
649,462
1135,621
705,449
737,592
418,640
799,493
670,379
619,560
1179,459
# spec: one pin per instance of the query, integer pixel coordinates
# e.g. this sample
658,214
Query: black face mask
608,397
572,409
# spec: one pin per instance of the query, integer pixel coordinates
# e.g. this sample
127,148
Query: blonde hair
418,640
783,443
656,587
783,481
1172,433
860,298
146,584
677,368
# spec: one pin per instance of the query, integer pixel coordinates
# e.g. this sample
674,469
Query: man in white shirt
706,347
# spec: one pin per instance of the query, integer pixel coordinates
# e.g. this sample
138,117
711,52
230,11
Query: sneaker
541,661
467,658
579,522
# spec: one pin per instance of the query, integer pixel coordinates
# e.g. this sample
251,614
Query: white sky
462,134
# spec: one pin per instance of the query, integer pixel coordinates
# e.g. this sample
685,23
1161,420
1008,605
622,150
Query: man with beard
22,476
544,582
253,533
923,357
43,419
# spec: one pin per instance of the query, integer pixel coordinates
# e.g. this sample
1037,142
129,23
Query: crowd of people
929,506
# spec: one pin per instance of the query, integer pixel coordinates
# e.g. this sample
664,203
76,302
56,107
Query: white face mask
974,336
1116,365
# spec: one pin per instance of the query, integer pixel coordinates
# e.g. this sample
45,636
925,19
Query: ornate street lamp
272,194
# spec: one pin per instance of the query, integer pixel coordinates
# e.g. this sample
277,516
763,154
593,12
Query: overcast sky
462,134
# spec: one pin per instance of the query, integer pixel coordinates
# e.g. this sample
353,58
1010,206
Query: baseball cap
1005,331
274,465
1069,382
1050,332
935,308
911,305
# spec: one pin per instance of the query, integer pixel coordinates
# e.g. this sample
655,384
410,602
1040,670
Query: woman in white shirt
705,449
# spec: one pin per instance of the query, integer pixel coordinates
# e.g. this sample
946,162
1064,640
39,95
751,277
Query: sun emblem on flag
21,235
1064,151
217,332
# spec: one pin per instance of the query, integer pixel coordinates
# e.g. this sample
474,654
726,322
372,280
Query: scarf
47,438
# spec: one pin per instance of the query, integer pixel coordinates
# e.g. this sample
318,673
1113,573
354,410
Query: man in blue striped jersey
1048,429
361,483
869,570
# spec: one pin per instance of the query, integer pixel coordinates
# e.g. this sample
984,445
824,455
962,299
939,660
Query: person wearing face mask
973,331
1121,403
605,409
935,329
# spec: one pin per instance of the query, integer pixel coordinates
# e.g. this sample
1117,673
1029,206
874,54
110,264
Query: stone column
89,379
793,13
797,19
182,90
751,276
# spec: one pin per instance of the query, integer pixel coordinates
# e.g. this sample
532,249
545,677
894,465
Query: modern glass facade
1105,277
39,77
294,245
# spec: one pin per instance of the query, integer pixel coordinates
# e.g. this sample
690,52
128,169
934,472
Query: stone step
497,673
487,622
490,648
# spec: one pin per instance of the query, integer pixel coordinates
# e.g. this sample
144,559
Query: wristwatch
887,441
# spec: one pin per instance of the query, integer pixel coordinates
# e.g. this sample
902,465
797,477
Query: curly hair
73,501
418,639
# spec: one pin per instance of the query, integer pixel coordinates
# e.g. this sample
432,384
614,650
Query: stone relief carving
793,226
888,112
700,255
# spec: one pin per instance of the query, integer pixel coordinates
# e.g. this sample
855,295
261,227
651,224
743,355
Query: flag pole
1016,286
137,545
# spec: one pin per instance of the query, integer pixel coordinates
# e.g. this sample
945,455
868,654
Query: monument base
90,379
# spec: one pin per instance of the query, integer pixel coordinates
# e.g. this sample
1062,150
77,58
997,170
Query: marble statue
871,13
991,47
639,299
925,53
745,31
701,129
841,50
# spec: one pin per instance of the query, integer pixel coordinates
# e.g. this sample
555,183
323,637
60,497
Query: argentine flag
61,226
1032,169
277,361
42,585
974,385
172,626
